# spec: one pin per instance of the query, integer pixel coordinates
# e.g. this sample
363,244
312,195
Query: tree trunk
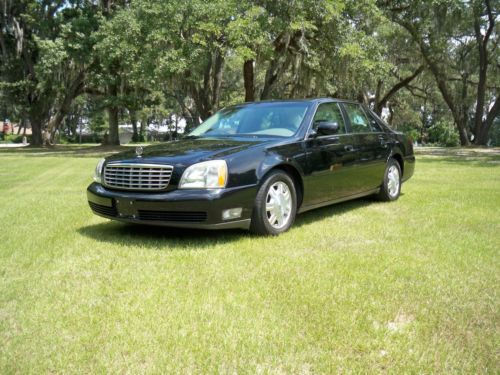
54,124
74,89
113,110
217,80
3,47
20,125
391,114
113,137
133,120
176,126
189,116
481,128
377,107
481,85
37,119
482,137
462,132
362,97
36,132
141,130
277,65
440,78
248,77
206,97
460,121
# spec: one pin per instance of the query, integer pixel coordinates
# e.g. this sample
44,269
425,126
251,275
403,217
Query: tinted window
357,117
329,112
276,119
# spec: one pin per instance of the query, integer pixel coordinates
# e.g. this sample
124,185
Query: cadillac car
256,166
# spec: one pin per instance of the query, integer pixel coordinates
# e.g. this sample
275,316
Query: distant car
255,166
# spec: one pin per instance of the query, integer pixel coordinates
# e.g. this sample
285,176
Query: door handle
349,148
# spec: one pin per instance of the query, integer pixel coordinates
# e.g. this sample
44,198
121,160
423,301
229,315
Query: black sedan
255,166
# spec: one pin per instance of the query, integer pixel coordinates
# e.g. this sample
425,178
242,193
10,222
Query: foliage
411,132
457,41
142,61
46,49
443,133
495,133
14,138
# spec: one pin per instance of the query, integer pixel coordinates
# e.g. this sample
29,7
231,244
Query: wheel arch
294,173
397,156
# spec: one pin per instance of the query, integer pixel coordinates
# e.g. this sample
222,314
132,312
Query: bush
495,133
14,138
86,138
443,133
137,138
413,133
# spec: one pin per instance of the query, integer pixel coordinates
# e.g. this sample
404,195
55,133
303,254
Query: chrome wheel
278,205
393,181
275,204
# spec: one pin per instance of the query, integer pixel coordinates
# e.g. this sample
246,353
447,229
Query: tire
273,213
391,185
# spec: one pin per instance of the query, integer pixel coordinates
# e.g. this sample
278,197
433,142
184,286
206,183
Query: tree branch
491,21
398,86
412,89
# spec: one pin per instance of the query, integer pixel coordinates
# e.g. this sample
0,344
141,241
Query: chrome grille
137,176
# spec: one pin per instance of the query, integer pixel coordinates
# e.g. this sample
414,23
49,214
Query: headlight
207,175
98,171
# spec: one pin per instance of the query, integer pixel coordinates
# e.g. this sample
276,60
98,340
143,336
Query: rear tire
275,205
391,185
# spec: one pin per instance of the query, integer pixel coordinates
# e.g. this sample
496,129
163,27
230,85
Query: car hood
188,151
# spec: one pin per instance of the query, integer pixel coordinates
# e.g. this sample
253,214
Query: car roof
307,100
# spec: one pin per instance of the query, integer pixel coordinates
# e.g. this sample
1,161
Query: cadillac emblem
138,151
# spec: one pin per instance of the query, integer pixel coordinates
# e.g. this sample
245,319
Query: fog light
232,213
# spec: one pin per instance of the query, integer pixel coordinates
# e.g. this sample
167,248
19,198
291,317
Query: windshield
267,119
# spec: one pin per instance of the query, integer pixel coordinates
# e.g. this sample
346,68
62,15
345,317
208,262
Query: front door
330,159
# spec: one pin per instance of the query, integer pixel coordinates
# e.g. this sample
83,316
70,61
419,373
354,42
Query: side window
329,112
358,119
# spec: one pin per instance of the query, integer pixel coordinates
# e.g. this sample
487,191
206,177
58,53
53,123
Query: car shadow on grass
318,214
155,236
182,238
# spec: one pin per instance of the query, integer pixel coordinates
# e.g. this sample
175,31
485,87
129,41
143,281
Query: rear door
330,158
370,146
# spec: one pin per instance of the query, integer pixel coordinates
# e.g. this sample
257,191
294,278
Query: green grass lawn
404,287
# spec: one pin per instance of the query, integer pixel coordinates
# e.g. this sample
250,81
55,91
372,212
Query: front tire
275,205
391,185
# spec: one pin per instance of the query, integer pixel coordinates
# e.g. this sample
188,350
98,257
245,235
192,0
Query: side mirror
327,127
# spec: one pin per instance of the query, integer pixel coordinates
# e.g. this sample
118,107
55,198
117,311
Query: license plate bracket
126,208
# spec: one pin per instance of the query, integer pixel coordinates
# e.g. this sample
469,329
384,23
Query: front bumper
194,208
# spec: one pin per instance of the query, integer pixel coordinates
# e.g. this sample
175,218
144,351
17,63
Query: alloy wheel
278,205
393,180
